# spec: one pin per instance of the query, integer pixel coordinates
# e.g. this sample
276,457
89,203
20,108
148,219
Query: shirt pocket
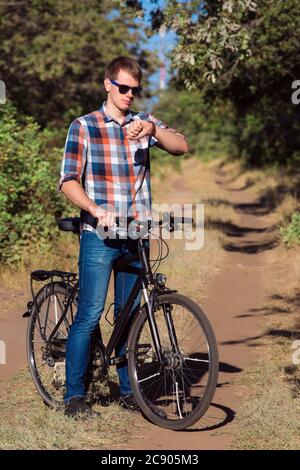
139,150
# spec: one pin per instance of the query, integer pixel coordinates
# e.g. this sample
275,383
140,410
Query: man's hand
105,218
139,129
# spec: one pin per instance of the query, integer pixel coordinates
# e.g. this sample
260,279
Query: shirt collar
108,117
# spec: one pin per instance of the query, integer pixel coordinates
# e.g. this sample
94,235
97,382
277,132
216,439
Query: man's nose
129,93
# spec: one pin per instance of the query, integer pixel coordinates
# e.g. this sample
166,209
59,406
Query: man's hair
125,63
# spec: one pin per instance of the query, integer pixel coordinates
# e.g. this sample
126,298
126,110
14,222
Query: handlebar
72,224
168,218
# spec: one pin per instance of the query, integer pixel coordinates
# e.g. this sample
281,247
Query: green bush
29,200
291,233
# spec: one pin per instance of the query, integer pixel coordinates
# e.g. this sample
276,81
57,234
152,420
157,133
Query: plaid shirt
113,170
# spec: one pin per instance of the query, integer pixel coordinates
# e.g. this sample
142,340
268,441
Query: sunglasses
123,89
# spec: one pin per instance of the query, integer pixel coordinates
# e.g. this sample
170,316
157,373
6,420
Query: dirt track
232,297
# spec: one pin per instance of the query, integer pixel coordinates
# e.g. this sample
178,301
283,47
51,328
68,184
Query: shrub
291,234
29,200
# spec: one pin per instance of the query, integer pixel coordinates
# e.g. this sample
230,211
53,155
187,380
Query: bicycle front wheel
176,392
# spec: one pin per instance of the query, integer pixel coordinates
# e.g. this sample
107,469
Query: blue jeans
95,266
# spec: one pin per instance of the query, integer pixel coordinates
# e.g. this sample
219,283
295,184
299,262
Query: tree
247,53
213,36
53,54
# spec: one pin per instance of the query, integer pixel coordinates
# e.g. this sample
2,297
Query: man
107,151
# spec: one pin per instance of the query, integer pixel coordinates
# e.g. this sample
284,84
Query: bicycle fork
149,302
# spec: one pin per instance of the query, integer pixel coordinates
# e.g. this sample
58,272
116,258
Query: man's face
121,101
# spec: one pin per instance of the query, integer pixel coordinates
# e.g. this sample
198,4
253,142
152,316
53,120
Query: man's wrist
92,209
153,130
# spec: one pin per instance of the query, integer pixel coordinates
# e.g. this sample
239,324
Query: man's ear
107,85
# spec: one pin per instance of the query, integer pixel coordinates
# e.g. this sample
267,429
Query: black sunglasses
123,89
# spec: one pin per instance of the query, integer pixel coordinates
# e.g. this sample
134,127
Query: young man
106,172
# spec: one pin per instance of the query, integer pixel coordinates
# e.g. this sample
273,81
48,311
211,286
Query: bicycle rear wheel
46,359
182,388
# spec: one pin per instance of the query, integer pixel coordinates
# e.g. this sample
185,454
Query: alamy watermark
296,94
2,352
2,92
177,221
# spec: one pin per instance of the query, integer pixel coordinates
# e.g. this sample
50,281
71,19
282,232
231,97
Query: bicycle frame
73,291
145,277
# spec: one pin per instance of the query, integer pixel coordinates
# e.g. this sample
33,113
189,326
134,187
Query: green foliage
291,233
245,55
29,200
53,54
214,35
209,129
260,88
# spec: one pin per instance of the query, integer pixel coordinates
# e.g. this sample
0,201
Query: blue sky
158,44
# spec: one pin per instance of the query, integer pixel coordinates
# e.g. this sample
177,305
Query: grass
15,280
268,417
28,424
278,192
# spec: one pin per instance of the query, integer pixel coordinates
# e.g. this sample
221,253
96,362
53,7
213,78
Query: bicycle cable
160,256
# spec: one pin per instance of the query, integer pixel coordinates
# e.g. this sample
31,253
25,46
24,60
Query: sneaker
77,408
158,411
129,403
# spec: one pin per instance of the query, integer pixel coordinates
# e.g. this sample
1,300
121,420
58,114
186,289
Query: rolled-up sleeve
74,154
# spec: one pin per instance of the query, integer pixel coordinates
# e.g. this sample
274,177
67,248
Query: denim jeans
95,266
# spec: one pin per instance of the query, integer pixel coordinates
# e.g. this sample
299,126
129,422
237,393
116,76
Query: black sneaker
158,411
77,408
129,403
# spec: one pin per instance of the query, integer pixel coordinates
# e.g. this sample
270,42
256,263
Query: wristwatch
153,128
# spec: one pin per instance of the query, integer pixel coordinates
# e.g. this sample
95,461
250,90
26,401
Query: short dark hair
125,63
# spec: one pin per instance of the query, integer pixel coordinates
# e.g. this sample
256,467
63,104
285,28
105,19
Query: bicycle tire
47,393
136,371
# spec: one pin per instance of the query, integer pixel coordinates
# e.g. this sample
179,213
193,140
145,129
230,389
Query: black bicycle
171,348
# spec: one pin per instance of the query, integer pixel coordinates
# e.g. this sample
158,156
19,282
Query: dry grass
15,281
28,424
277,189
268,417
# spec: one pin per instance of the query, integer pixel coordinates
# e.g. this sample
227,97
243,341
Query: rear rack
42,275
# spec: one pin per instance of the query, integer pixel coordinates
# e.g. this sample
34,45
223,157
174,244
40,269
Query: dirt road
231,298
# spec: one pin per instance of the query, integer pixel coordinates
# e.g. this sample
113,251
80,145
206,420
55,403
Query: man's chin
125,105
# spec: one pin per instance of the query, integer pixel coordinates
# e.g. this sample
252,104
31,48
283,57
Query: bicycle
172,353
